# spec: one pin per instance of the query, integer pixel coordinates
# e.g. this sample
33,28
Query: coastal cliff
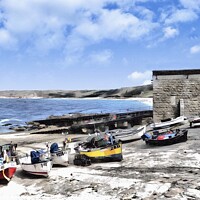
145,91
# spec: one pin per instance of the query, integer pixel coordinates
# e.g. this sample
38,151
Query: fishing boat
8,164
169,123
107,153
59,156
100,149
165,138
7,170
130,135
37,163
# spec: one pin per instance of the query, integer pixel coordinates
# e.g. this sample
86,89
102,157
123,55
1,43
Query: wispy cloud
191,4
195,49
101,57
71,26
182,15
46,25
88,21
6,40
170,32
113,25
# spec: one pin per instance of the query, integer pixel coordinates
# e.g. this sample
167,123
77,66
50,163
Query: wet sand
146,172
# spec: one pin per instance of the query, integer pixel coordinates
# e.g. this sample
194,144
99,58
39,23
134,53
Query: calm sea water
20,111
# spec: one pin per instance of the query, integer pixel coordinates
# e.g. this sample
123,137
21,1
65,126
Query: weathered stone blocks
171,87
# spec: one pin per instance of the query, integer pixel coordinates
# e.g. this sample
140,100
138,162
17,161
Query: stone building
176,93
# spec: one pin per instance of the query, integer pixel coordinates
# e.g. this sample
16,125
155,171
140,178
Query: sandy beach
146,172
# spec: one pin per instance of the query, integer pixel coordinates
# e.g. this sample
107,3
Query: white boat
130,134
171,122
40,166
59,156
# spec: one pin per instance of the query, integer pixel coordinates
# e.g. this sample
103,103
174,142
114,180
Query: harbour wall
87,123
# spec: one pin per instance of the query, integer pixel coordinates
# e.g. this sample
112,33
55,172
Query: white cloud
170,32
33,22
191,4
114,24
147,82
141,77
4,36
183,15
6,40
71,26
195,49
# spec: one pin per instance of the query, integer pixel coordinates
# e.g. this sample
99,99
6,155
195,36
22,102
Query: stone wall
176,93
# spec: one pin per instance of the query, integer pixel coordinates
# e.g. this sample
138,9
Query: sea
19,111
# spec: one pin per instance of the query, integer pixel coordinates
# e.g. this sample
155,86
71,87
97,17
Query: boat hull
7,171
129,136
195,121
173,122
182,137
42,168
110,153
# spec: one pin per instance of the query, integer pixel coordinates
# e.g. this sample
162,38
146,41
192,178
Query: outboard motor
35,157
54,148
146,136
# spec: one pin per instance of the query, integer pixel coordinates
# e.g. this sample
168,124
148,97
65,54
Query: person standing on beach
5,156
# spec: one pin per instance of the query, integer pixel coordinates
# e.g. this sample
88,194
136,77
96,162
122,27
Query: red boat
7,170
8,164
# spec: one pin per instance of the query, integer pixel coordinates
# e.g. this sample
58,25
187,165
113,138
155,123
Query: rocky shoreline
146,173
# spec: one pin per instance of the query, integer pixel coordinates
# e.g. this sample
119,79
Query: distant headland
144,91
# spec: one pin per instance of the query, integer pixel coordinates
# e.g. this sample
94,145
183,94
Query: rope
8,179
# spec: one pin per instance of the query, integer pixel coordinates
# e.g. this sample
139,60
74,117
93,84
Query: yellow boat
106,153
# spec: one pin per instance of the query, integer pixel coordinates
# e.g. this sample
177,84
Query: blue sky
95,44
